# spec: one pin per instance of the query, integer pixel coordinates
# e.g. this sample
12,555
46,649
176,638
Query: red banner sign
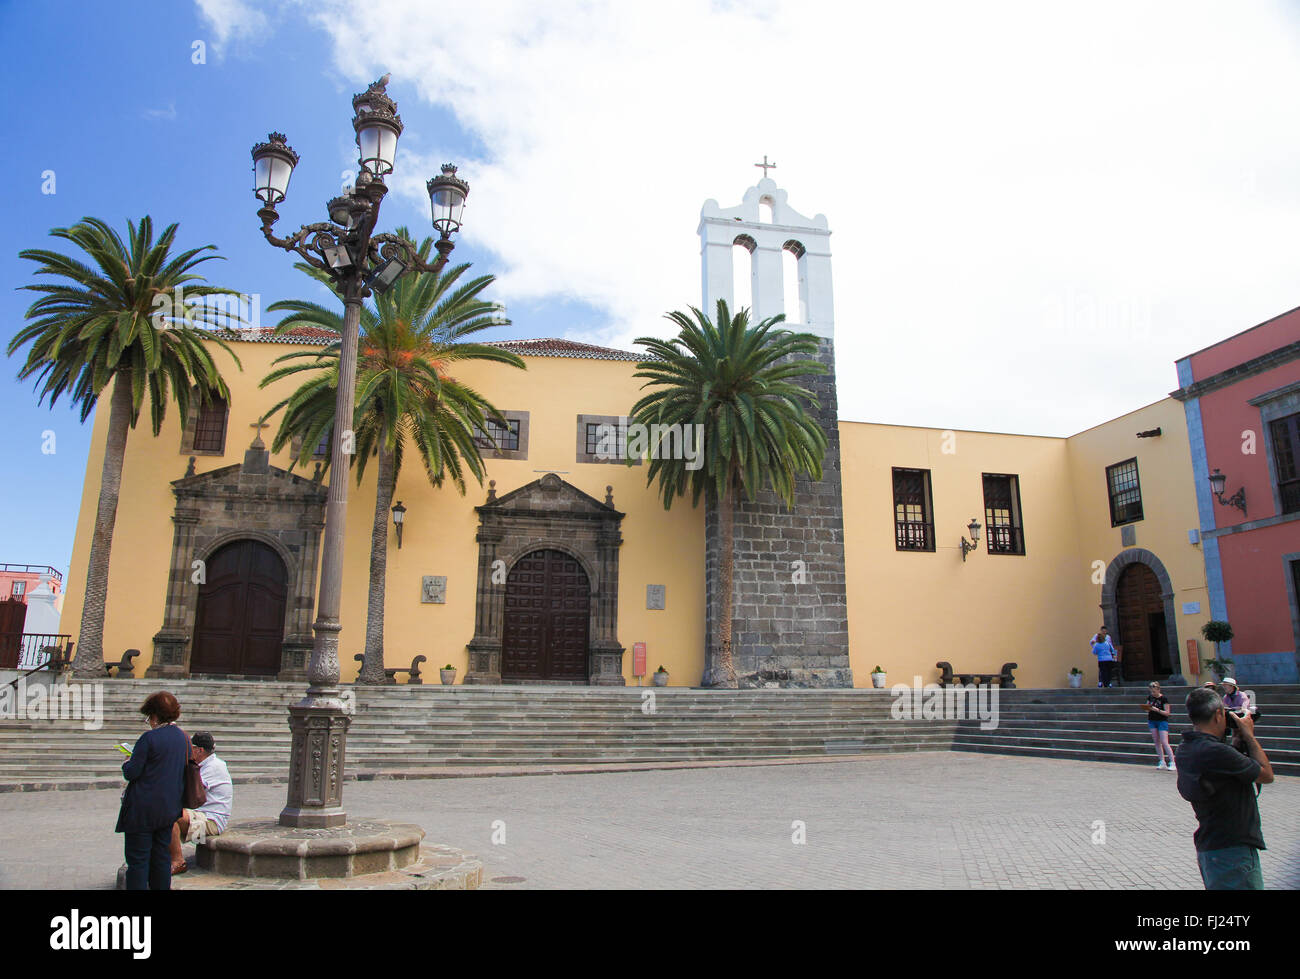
1193,661
638,659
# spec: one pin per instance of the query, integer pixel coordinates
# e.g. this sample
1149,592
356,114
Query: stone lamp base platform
361,854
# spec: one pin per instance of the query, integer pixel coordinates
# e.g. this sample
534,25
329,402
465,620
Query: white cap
1228,679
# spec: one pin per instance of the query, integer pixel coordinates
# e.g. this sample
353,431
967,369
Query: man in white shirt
210,819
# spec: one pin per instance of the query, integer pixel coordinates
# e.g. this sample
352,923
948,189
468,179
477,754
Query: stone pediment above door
550,495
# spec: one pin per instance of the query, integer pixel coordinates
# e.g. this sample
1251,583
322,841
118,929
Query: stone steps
405,728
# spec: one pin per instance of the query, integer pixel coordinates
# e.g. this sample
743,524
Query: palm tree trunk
724,670
89,660
372,667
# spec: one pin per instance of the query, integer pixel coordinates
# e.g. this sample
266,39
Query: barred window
1125,492
1286,453
323,446
19,589
1003,529
606,441
210,428
913,512
494,435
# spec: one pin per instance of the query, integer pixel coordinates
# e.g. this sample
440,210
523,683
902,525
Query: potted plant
878,677
1217,631
448,675
1076,677
661,677
1219,667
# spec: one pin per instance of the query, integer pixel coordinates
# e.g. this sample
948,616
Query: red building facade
1242,402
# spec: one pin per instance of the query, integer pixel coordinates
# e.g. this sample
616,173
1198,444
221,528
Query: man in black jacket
1219,781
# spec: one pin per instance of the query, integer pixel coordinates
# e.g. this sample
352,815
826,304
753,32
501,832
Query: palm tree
408,341
735,382
116,320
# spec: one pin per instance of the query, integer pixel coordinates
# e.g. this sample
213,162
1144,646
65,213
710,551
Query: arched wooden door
1143,631
547,614
239,622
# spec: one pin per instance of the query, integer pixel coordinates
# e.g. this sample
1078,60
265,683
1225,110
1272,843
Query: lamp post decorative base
367,854
316,766
262,848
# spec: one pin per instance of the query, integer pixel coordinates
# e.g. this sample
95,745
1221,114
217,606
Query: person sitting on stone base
210,819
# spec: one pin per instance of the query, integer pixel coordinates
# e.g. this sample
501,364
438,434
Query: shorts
1158,726
196,818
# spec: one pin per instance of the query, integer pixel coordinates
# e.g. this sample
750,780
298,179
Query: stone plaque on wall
1128,536
655,595
434,589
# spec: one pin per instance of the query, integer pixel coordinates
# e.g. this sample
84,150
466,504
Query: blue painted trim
1204,503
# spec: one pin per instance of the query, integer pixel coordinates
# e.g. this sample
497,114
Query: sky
1035,208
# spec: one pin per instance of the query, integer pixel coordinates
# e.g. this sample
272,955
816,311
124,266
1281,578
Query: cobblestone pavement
929,820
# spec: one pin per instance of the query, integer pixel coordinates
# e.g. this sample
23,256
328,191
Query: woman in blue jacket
155,775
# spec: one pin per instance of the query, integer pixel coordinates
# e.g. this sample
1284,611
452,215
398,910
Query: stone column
172,640
489,612
606,663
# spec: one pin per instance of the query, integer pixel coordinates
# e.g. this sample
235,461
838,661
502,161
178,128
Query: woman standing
1158,711
155,775
1104,650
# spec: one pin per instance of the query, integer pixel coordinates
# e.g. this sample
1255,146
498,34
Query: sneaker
1172,767
1162,763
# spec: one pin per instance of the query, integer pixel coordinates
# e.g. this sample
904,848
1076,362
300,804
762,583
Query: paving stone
966,821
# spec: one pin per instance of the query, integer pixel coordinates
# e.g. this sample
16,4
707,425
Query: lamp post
359,261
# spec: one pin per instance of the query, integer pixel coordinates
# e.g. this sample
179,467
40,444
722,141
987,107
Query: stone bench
124,667
1005,679
412,674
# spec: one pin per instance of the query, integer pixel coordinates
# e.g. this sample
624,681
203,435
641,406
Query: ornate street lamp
1219,482
969,545
359,261
399,514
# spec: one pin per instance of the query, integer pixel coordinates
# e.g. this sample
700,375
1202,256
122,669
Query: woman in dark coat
155,775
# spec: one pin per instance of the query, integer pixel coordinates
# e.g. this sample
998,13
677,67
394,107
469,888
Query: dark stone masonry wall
792,633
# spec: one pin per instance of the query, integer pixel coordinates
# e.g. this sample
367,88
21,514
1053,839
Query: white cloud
1035,208
232,19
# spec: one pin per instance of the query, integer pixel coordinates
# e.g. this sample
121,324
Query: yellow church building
565,563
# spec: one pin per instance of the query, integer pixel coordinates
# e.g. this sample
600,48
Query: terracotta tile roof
555,347
299,334
541,347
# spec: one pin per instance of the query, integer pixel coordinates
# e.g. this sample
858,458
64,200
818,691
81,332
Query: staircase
410,729
415,730
1109,725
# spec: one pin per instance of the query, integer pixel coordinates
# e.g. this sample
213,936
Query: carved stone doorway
548,557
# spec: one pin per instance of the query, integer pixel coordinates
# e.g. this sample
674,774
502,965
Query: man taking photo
1219,781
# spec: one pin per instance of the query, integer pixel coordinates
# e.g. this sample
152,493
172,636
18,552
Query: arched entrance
547,616
239,620
1141,626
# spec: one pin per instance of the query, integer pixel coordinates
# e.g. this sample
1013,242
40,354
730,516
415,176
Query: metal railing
913,535
33,569
31,650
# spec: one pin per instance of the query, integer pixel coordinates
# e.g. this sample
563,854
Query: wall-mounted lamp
399,514
1238,499
969,545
